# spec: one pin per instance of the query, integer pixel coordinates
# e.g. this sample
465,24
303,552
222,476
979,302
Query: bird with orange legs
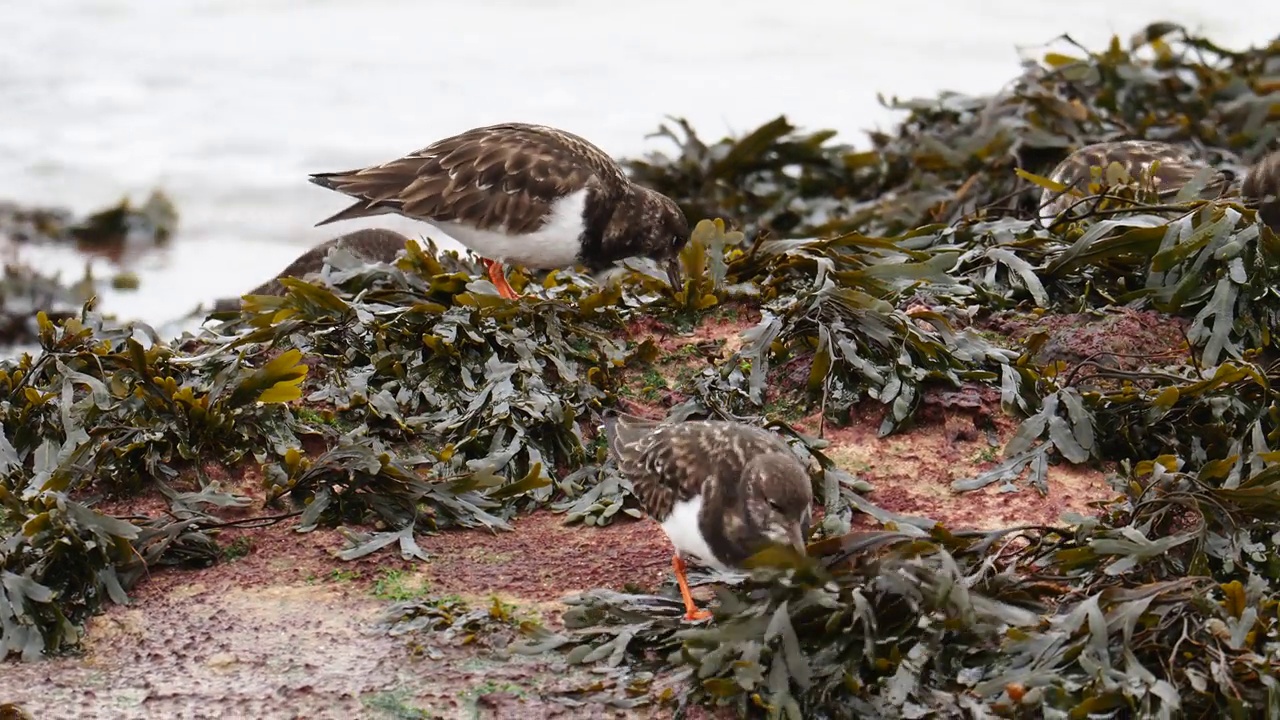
521,194
722,491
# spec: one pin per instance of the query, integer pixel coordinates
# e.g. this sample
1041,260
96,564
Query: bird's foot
498,276
691,611
696,615
916,308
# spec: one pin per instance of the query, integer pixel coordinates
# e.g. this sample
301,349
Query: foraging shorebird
721,490
522,194
1173,167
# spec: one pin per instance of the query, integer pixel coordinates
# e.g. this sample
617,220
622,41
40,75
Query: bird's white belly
682,529
555,245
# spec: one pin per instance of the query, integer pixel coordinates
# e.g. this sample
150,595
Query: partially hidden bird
1168,169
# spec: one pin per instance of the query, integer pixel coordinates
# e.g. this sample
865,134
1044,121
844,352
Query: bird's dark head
779,498
653,226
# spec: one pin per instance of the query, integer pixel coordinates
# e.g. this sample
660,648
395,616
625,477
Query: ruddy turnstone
371,245
722,491
1262,185
522,194
1176,168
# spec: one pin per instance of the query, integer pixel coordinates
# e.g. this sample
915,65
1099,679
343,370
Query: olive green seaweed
401,398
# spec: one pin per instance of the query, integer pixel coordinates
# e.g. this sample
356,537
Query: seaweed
395,398
955,158
1163,605
26,290
99,413
153,221
876,287
452,620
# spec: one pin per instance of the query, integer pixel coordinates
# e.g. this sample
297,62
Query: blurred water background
227,105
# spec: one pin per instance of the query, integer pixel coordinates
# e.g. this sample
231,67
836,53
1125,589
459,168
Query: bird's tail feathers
358,209
363,207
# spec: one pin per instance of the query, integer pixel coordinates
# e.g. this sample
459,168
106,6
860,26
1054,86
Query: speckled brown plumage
1177,167
496,176
371,245
1262,186
509,179
722,491
749,478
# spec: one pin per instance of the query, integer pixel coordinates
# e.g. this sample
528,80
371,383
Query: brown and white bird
1176,168
721,490
522,194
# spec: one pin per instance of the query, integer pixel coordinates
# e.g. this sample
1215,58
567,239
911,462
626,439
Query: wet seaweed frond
955,157
821,281
450,620
899,277
1100,618
98,413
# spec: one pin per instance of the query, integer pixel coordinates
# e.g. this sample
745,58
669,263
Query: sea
228,105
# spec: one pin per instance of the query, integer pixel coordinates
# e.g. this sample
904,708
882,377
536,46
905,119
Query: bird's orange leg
498,276
691,611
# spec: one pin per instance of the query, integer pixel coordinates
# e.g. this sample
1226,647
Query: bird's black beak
674,275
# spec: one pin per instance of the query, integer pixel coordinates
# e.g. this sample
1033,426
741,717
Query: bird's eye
776,507
676,240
